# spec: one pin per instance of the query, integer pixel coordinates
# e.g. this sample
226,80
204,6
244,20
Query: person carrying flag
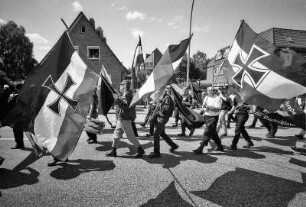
211,106
124,116
162,113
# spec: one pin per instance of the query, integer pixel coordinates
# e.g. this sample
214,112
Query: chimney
92,21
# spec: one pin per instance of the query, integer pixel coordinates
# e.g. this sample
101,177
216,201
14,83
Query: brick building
93,49
151,60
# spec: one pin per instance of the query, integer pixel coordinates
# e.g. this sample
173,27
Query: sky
158,22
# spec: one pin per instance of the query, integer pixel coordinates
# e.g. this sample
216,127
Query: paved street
269,174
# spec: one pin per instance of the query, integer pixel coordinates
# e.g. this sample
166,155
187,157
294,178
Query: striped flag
137,61
56,100
262,74
163,71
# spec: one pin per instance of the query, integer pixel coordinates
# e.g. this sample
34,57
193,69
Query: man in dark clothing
242,115
92,137
269,125
162,113
186,101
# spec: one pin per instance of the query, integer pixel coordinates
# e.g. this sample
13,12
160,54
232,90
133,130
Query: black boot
199,150
140,152
113,153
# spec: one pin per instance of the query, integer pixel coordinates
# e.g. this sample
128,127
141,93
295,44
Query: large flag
55,100
137,61
193,119
262,74
163,71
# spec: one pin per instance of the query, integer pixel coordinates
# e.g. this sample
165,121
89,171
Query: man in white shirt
211,107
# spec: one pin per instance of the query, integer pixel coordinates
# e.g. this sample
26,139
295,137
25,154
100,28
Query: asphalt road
268,174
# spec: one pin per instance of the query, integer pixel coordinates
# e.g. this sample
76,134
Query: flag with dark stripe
263,74
55,100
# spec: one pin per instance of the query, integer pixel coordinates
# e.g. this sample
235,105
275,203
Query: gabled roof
285,37
76,21
156,55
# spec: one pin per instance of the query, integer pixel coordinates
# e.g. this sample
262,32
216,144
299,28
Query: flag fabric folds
137,61
263,74
55,100
193,119
163,71
105,95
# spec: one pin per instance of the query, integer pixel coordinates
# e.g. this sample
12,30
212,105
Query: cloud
122,8
135,15
200,30
37,38
137,32
155,19
77,7
176,18
173,25
2,21
112,4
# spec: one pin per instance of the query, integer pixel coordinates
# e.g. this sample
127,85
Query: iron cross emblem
55,106
249,67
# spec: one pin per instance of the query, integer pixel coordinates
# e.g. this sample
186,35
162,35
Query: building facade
93,49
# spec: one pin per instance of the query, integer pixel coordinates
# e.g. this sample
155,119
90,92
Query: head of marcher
168,90
125,86
211,91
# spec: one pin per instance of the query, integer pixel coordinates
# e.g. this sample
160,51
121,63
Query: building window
77,49
93,52
83,29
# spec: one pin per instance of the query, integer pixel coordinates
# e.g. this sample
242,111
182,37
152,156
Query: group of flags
55,100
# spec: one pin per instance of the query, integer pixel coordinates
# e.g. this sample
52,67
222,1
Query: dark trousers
184,125
230,117
176,114
160,132
254,121
91,136
149,113
270,126
18,135
240,128
210,131
135,129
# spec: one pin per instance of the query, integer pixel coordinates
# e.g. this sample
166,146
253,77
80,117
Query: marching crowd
219,108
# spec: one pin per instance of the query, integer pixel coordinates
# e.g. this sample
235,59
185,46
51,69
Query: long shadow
248,188
73,169
297,162
106,146
170,161
168,197
241,153
272,150
283,141
16,178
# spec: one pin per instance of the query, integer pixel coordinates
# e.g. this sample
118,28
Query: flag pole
133,69
188,57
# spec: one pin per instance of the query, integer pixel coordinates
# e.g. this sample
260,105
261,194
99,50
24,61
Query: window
93,52
77,49
83,29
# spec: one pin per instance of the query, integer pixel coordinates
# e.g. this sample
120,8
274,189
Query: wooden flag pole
188,57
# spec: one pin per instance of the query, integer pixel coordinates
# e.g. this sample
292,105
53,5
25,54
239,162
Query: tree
16,52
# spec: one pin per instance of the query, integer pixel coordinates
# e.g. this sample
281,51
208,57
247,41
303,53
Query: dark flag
54,101
106,99
263,74
193,119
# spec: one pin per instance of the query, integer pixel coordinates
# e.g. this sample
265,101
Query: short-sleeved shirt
212,101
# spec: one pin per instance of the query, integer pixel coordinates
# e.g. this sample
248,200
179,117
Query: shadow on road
171,161
16,178
74,168
283,141
168,197
248,188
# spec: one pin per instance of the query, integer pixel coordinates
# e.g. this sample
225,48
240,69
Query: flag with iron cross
263,74
55,100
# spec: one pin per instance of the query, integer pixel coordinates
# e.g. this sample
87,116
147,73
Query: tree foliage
16,52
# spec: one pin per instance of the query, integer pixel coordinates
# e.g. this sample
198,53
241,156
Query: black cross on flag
55,106
250,67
